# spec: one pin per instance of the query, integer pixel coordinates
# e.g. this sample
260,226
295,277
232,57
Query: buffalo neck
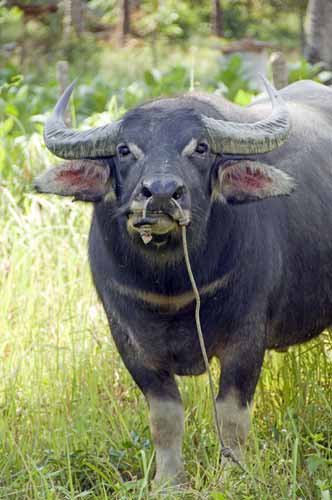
227,241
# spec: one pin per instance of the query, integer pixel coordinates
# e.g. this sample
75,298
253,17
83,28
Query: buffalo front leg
163,397
241,366
166,415
167,423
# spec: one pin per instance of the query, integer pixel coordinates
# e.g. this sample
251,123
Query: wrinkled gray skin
264,269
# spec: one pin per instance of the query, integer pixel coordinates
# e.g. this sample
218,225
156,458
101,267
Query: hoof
228,465
168,484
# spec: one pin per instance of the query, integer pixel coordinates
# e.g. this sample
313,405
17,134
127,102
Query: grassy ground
72,423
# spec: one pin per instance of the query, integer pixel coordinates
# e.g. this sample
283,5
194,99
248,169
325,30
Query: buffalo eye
123,150
202,148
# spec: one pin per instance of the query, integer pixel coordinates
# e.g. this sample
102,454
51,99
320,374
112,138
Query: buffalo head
166,162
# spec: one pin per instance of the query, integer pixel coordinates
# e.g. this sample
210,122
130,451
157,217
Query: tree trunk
302,31
77,16
319,32
279,70
73,20
125,20
217,18
327,48
62,76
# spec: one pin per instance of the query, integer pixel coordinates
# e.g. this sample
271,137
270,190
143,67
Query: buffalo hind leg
241,367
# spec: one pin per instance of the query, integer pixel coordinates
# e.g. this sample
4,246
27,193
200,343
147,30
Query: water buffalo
263,266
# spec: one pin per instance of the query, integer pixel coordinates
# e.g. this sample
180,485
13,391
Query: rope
147,236
183,222
225,450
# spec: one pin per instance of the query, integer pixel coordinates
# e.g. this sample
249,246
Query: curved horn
251,138
71,144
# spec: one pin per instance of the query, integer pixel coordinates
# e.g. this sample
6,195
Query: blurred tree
297,6
125,20
319,32
217,18
34,9
173,19
280,21
73,20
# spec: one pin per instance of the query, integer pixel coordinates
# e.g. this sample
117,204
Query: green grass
72,423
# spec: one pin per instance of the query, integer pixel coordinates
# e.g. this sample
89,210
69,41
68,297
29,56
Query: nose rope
145,207
145,230
225,450
184,220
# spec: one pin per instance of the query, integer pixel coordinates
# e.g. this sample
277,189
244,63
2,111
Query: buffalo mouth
158,220
160,224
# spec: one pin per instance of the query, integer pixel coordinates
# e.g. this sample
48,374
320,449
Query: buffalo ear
86,180
245,180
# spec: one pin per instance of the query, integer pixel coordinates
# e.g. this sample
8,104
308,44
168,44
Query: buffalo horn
72,144
251,138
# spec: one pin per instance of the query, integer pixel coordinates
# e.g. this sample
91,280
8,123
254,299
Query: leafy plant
303,70
230,77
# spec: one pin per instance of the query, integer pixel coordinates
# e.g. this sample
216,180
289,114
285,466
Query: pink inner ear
76,178
246,178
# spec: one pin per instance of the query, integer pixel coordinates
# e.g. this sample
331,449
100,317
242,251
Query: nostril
178,193
146,192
